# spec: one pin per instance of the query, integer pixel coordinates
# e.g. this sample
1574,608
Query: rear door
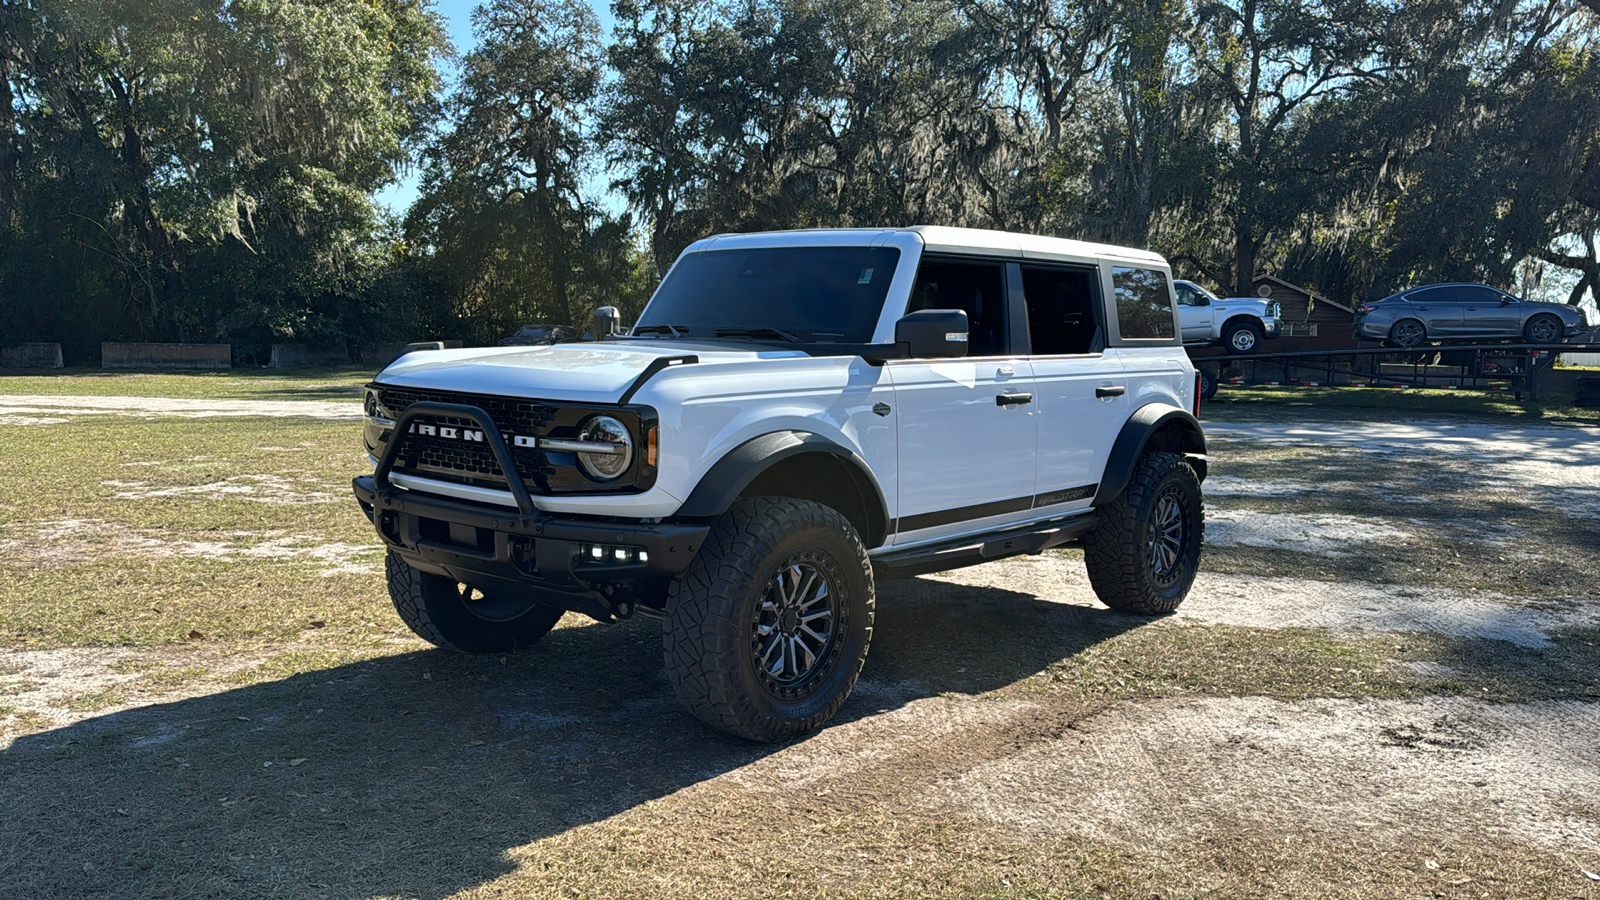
1440,308
968,428
1082,394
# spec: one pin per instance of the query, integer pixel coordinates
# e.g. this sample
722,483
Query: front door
968,428
1194,313
1486,314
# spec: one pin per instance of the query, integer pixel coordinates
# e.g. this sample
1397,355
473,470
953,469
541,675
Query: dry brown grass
276,756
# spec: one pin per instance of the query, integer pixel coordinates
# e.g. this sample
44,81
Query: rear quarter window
1144,303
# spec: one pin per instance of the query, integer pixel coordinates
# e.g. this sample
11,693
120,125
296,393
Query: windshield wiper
672,330
769,333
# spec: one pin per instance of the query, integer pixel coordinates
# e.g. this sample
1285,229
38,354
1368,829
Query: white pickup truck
1237,323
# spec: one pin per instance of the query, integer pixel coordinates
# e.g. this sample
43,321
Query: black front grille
512,416
473,462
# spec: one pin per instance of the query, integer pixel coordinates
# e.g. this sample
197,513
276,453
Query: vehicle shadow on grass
414,774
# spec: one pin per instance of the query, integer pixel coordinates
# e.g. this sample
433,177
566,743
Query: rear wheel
457,617
1144,554
1407,333
1208,382
1542,330
767,631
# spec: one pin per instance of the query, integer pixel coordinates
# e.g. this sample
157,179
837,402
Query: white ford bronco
793,416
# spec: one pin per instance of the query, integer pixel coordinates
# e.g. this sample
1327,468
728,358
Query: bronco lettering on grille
449,433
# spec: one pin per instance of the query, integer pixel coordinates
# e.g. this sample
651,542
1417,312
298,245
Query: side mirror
606,322
933,333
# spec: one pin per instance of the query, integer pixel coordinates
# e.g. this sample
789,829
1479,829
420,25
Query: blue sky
458,18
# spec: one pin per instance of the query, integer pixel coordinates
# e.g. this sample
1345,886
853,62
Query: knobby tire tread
415,594
703,634
1114,553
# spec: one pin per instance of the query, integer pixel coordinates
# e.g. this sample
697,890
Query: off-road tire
1232,334
437,609
709,634
1120,552
1554,333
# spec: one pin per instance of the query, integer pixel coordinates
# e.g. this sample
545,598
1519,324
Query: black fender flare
729,476
1146,423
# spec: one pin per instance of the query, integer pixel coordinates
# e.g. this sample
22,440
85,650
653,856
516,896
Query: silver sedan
1459,312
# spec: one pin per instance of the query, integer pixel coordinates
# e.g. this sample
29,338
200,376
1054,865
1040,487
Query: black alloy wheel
794,640
1144,554
765,633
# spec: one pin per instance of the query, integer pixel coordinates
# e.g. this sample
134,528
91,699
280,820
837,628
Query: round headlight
608,464
374,407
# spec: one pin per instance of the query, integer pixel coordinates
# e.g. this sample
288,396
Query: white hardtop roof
938,238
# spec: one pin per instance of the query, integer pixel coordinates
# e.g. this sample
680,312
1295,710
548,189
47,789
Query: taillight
1196,409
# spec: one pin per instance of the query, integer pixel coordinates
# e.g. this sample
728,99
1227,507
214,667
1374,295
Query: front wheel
1242,337
767,630
1144,554
1543,330
457,617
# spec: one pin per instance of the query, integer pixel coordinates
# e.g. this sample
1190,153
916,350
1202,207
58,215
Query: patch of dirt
1234,486
31,420
43,684
848,747
55,407
1542,460
71,542
1329,535
1256,602
1157,775
278,490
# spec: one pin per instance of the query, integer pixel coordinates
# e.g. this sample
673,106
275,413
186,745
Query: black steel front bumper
570,562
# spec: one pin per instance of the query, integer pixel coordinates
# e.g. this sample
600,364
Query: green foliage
509,232
179,166
204,169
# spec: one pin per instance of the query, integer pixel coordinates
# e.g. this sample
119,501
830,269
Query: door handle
1012,399
1109,390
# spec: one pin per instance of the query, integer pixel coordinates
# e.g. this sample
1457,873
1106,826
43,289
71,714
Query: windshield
810,293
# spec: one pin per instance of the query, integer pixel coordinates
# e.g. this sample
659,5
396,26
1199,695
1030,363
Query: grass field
1386,683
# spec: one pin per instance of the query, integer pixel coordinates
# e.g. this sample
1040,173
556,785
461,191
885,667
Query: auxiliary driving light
612,554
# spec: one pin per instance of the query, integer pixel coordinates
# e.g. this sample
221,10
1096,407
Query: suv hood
578,373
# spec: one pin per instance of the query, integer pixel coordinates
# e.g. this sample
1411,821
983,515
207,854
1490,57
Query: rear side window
1062,305
1445,293
1144,303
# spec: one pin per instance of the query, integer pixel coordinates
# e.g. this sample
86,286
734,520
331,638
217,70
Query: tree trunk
8,141
1246,245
